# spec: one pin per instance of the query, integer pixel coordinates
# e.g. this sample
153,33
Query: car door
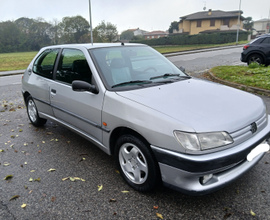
41,80
265,47
79,110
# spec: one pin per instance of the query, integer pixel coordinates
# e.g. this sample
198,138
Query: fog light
206,178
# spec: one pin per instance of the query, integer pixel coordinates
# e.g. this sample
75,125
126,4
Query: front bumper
184,172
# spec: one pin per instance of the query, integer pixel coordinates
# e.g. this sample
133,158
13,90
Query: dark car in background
257,51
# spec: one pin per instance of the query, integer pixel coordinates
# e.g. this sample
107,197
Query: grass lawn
15,61
256,76
178,48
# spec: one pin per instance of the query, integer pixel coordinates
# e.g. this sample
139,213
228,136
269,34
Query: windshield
134,66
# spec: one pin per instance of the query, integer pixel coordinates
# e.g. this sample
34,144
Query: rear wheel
136,163
255,58
33,113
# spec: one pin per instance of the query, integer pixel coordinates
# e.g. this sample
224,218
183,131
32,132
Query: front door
80,110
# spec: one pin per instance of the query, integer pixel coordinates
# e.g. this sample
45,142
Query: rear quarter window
45,62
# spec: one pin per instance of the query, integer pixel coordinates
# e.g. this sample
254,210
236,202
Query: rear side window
266,41
73,66
44,64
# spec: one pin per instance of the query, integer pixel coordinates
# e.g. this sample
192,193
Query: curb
11,73
239,86
200,50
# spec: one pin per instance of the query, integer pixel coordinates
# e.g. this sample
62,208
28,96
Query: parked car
160,124
257,51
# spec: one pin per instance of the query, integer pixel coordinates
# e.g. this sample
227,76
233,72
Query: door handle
53,91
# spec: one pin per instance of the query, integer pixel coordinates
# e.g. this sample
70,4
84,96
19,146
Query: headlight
203,141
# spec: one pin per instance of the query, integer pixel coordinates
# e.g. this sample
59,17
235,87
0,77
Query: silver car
160,124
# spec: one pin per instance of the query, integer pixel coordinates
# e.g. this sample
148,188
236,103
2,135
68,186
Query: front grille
245,133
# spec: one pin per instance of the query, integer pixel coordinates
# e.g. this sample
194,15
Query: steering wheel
150,68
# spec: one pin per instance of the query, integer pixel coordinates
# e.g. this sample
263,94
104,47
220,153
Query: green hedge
213,38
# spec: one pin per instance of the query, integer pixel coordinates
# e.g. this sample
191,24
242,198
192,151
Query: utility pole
238,24
90,15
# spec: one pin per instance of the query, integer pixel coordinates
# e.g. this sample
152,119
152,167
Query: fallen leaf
11,145
25,163
8,177
38,179
6,164
31,179
117,171
12,136
49,133
159,215
83,158
43,142
53,199
82,180
1,150
20,130
15,151
30,191
66,178
266,162
68,142
76,178
100,187
32,171
252,213
72,179
51,170
114,213
25,144
14,197
39,151
56,139
125,191
23,205
112,200
26,187
52,140
155,207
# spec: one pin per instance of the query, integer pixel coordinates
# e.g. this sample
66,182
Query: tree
248,23
127,35
73,28
105,32
174,25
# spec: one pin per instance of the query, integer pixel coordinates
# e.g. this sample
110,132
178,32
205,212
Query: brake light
245,47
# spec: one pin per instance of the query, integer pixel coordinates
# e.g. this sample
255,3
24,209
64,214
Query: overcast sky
147,15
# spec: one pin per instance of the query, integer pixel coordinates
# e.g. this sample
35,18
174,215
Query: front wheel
33,113
136,163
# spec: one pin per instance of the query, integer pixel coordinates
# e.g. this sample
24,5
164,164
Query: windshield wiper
164,75
131,82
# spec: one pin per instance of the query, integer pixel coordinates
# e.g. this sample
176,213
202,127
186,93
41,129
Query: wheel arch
25,96
117,132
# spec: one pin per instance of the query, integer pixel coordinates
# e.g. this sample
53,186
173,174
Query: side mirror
182,69
81,86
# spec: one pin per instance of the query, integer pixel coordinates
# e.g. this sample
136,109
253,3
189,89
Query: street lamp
90,15
238,25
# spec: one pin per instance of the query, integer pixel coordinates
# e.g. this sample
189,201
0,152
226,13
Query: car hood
201,105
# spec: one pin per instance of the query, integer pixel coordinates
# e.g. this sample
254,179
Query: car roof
92,46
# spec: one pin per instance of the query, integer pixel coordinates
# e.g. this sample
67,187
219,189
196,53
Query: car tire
136,163
32,113
255,58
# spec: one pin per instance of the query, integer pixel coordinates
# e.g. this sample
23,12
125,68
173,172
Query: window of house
153,36
226,22
148,37
73,66
44,64
199,23
212,22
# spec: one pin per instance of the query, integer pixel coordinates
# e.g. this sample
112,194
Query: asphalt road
31,152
